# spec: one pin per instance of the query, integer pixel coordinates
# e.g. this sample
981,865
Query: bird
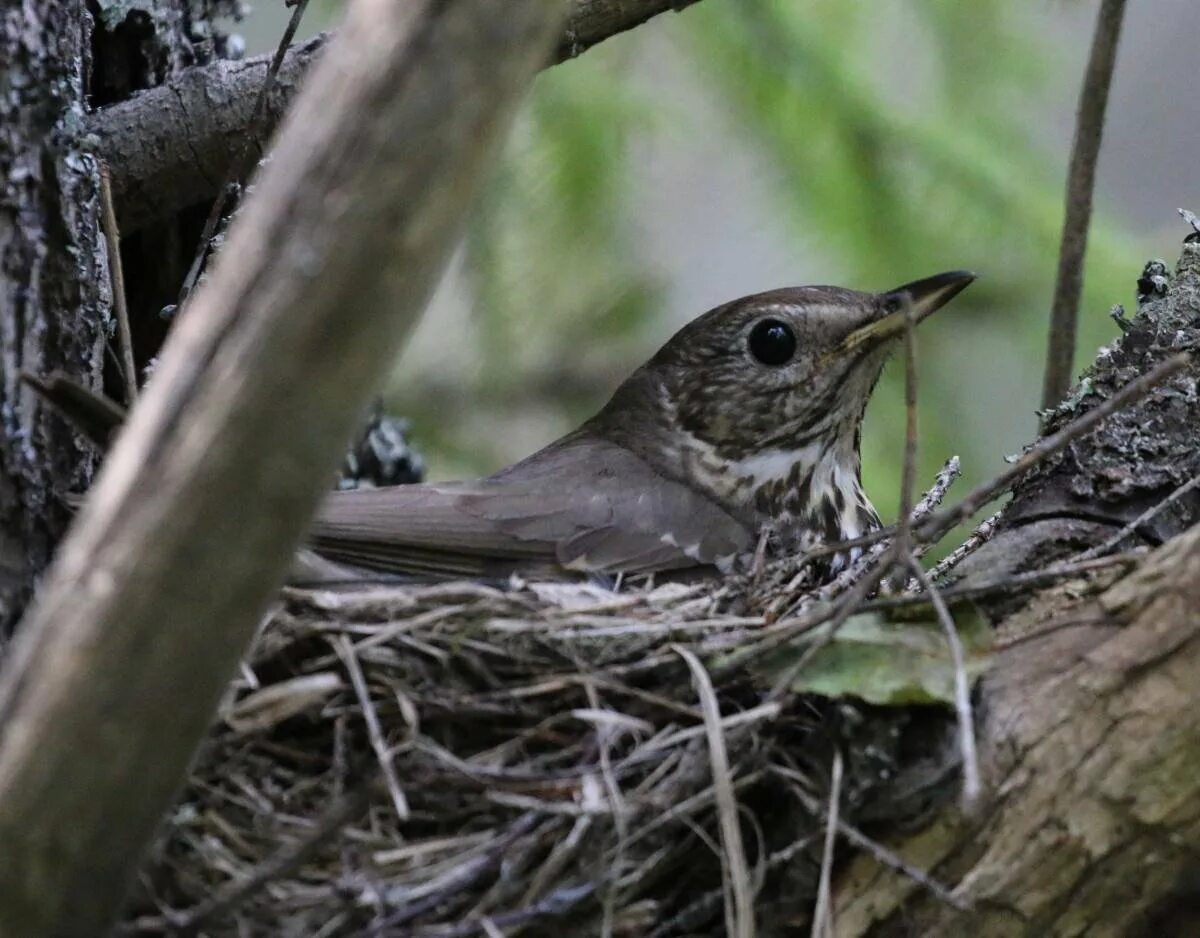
746,424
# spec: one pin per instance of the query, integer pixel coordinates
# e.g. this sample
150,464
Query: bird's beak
917,299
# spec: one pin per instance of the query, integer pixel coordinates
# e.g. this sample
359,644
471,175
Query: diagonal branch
116,671
171,146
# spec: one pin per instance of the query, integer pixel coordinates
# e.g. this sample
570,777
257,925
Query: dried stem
345,651
112,243
822,921
1081,180
733,852
908,471
972,784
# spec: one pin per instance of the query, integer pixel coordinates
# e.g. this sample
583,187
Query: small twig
941,522
945,478
241,165
1137,522
908,470
972,784
902,543
1081,181
733,853
612,789
897,863
882,854
1004,584
345,651
822,922
112,243
286,860
980,536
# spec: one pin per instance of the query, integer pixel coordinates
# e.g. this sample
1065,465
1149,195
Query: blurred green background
743,145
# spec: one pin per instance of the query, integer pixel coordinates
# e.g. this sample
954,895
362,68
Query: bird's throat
808,496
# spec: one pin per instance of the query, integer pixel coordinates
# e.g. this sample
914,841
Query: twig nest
533,756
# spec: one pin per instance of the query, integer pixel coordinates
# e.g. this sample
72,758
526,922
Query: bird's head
777,370
760,401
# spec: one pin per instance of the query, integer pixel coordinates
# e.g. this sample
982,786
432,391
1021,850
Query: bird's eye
772,342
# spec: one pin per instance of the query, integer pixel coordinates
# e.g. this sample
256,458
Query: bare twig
882,854
1137,522
346,652
241,165
733,853
1081,180
936,494
972,784
908,470
822,921
112,243
980,536
941,522
285,861
1006,584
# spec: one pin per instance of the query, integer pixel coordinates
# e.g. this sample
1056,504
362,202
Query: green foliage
882,661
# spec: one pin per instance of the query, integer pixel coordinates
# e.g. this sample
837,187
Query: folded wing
582,504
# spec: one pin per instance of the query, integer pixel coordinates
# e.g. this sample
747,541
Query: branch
171,146
1081,180
115,673
1088,730
1090,738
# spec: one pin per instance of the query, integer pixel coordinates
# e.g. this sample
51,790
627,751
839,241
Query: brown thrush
748,419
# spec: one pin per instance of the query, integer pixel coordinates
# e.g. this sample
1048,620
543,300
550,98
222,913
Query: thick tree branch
1089,731
171,146
115,673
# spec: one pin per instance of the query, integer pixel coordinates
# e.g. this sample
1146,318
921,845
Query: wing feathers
584,504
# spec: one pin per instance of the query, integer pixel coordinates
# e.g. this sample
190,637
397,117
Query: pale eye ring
772,342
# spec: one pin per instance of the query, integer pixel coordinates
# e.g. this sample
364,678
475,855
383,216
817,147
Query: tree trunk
53,293
62,59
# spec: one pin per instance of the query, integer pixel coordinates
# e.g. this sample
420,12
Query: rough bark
183,541
52,277
1091,742
172,146
58,59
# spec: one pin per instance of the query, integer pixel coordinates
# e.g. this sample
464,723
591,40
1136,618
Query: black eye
772,342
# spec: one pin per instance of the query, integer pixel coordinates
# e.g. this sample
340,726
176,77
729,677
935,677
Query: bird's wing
583,504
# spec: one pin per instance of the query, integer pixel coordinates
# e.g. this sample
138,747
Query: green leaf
885,662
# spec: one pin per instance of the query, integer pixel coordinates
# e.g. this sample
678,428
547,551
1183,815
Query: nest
466,760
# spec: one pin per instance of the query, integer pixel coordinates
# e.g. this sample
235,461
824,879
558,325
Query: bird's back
582,504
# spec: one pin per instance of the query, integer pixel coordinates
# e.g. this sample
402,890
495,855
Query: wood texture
53,283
